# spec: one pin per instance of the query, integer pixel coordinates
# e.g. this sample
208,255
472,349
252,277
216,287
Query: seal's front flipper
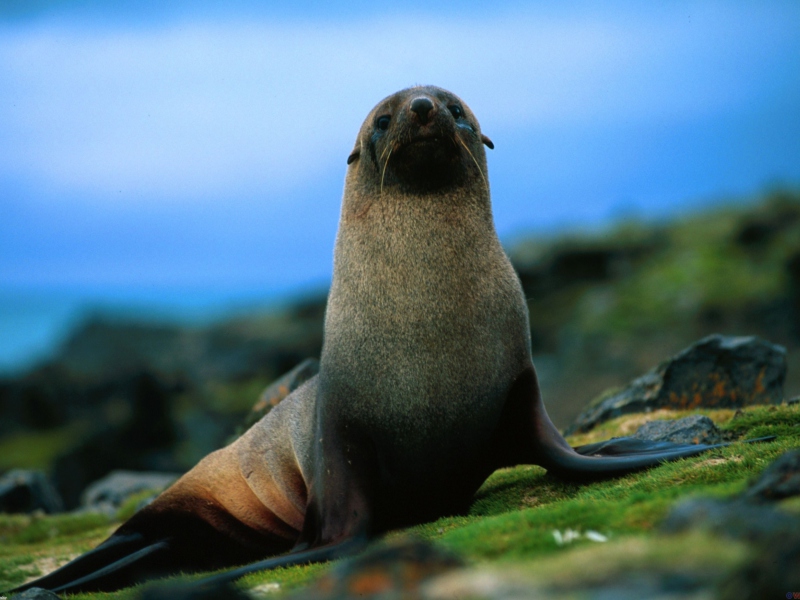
118,562
177,532
338,516
315,555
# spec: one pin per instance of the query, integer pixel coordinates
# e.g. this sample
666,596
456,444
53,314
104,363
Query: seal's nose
423,107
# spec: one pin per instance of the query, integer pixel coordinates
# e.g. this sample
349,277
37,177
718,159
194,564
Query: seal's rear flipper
526,435
629,446
118,562
618,457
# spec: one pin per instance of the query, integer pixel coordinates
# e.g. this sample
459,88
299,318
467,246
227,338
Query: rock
23,491
235,349
43,398
773,569
748,516
772,572
545,271
778,481
110,492
36,594
716,372
507,584
695,429
759,230
484,583
735,519
285,385
191,591
392,570
142,440
279,389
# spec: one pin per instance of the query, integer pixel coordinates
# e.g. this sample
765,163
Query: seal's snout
423,108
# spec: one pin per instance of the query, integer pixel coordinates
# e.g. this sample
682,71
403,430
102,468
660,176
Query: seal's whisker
383,172
472,156
385,150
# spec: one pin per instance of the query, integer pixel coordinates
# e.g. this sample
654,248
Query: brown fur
426,383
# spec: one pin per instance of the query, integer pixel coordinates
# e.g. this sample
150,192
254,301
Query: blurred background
170,179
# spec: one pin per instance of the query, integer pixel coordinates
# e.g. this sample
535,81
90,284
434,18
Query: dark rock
24,491
574,262
36,594
758,231
773,569
232,350
733,519
778,481
52,396
392,570
142,441
772,572
311,308
279,389
192,591
716,372
110,492
792,270
103,346
694,429
748,516
44,398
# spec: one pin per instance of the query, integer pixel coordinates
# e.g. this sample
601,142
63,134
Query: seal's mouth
427,148
424,141
426,161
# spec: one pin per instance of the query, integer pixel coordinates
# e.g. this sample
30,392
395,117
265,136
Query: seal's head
420,140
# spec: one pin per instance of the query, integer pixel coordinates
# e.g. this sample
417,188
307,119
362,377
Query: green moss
37,450
700,266
30,544
700,555
236,397
288,579
512,520
30,529
14,570
759,421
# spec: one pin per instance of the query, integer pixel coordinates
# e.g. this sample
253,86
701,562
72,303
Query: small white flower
595,536
558,537
570,535
264,590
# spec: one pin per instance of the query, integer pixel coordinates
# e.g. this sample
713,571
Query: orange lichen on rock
718,392
759,388
283,391
370,582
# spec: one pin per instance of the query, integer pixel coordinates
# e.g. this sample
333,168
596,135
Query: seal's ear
487,141
354,155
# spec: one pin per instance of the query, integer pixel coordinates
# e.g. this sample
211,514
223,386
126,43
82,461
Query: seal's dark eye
456,111
383,122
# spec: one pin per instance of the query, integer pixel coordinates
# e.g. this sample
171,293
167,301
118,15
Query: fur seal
426,383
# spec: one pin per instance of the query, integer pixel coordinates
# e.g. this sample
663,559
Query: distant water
34,322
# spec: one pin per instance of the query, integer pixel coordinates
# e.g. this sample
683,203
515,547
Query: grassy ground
514,515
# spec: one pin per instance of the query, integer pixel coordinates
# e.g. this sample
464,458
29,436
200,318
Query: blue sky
150,151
